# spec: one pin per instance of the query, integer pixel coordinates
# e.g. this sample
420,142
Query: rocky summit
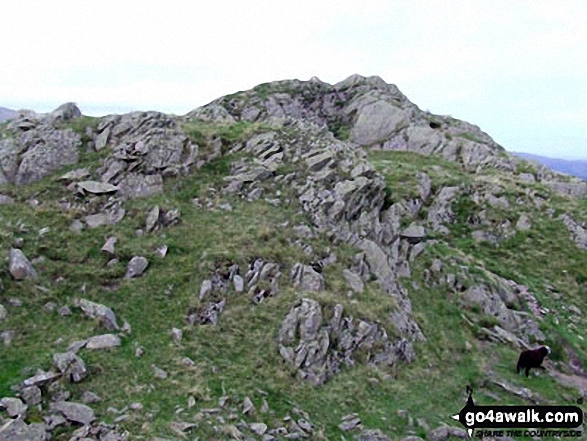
297,261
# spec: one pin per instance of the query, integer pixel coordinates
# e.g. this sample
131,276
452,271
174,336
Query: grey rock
239,283
109,217
176,335
136,267
96,187
6,200
71,366
443,433
90,398
577,232
3,313
19,266
377,435
159,373
100,312
41,379
64,311
75,412
205,289
350,422
354,281
66,112
7,337
248,406
136,185
108,247
414,233
18,430
75,175
524,223
104,341
14,407
306,278
102,139
152,219
76,226
31,395
376,122
258,428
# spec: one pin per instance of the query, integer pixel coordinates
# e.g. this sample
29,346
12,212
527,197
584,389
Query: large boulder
19,266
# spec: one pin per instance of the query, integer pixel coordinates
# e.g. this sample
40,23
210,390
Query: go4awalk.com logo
520,420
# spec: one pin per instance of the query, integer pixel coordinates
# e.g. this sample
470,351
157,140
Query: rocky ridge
309,152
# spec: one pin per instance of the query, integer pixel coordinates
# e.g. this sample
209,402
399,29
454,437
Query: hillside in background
6,114
574,167
297,261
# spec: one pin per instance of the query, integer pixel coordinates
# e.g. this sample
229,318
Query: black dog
532,359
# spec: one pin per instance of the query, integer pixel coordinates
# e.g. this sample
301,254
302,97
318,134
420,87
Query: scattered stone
159,373
162,251
108,247
205,289
90,398
180,428
443,433
103,341
100,312
75,175
75,412
110,217
14,407
41,379
306,278
136,267
31,395
64,311
19,266
76,226
350,422
177,335
524,223
18,430
3,313
248,406
71,366
6,200
258,428
152,219
239,283
96,187
50,306
377,435
414,233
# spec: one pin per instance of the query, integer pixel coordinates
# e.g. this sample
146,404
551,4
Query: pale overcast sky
516,68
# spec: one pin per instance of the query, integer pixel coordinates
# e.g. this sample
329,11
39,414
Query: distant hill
6,114
572,167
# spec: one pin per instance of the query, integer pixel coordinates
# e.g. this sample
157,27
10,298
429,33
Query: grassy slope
239,357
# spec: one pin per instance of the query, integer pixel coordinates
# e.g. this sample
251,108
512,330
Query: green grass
240,356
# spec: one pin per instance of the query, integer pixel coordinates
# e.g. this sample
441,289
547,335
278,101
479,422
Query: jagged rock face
318,350
375,114
36,150
145,147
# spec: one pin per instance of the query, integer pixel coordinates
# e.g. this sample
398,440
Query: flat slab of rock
75,412
103,341
19,266
41,378
18,430
96,187
75,175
